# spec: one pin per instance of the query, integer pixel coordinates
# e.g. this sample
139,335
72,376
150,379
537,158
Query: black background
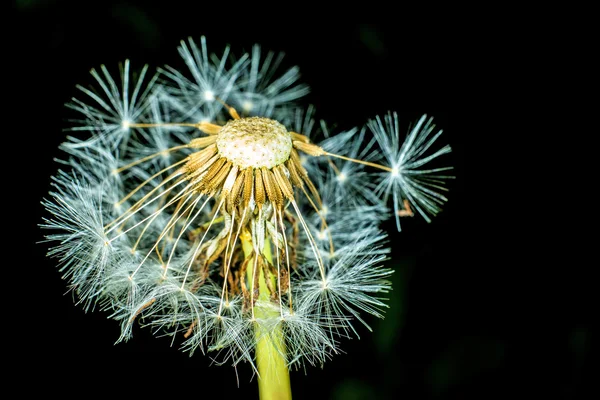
466,318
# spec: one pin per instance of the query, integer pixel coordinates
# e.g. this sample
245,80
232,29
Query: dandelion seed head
241,229
255,142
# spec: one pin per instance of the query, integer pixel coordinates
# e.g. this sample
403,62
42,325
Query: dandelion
228,227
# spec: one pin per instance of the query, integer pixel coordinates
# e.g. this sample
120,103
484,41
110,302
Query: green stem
274,377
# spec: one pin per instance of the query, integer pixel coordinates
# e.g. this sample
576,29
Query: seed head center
254,142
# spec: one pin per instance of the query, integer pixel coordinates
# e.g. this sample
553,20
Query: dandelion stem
274,377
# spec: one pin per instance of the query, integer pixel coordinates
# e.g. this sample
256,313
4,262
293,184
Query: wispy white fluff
260,89
84,254
108,107
160,139
300,120
352,286
351,182
408,179
308,338
211,76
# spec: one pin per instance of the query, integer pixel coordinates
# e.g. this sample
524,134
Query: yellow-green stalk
274,377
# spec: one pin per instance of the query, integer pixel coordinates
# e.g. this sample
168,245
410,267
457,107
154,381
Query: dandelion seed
407,181
210,77
111,108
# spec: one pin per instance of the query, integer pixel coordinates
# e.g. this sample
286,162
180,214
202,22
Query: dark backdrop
463,322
